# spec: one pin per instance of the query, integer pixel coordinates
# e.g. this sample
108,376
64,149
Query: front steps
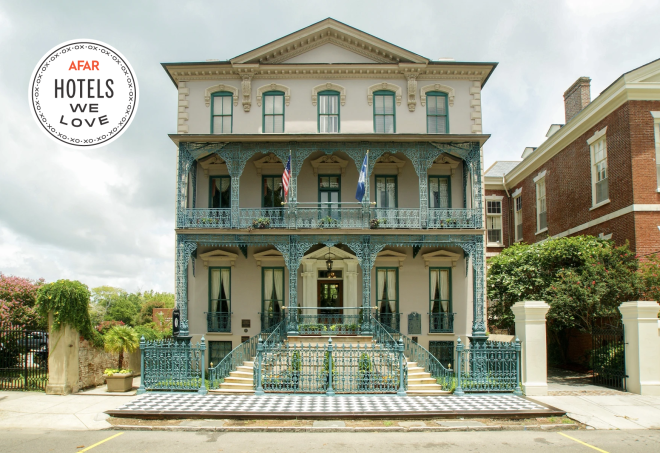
241,381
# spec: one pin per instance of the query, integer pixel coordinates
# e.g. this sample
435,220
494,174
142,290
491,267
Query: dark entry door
330,300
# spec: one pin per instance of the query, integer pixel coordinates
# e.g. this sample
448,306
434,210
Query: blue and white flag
362,180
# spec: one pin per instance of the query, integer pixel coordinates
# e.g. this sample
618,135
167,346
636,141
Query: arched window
437,117
273,113
328,111
384,112
222,110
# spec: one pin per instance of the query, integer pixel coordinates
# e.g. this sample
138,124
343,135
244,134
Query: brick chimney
577,97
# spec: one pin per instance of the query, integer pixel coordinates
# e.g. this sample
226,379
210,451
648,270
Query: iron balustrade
270,320
488,366
331,321
245,351
330,369
172,365
333,216
391,321
608,357
218,322
415,353
441,322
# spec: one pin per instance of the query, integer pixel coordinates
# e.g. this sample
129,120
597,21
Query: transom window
439,192
221,112
328,105
272,192
494,221
387,297
220,192
273,102
437,119
541,214
384,112
518,217
386,191
599,159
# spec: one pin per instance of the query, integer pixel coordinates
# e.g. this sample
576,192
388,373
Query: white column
309,284
530,329
350,281
641,336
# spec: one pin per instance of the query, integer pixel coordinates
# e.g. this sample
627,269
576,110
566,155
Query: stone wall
93,361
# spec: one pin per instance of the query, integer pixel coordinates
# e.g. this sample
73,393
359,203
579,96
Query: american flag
286,176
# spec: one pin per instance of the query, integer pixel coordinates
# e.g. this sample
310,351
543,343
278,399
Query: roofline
368,137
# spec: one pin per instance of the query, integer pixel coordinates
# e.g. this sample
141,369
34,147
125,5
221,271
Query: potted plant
120,339
261,223
328,222
374,224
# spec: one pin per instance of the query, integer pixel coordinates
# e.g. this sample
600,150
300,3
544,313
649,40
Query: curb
375,429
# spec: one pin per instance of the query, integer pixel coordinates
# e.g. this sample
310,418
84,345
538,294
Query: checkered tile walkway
299,405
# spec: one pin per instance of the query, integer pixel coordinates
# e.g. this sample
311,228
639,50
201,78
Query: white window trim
656,135
501,215
541,178
598,135
514,197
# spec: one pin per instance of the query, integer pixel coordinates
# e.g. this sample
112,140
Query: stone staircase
241,381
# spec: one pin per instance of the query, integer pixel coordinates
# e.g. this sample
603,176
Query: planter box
119,382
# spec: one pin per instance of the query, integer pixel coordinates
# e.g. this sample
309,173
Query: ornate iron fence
452,218
172,365
329,321
268,217
488,366
204,218
441,322
330,369
23,358
218,322
396,217
608,357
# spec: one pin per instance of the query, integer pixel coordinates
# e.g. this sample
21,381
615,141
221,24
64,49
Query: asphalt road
36,441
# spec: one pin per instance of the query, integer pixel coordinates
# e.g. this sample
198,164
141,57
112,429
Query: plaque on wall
245,323
414,324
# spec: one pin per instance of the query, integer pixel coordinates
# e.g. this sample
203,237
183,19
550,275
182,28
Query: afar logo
84,93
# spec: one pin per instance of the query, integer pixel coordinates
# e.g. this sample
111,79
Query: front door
330,300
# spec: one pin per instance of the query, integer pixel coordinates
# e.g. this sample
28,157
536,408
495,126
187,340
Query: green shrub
121,339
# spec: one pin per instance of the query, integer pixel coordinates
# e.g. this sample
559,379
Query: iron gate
608,357
23,358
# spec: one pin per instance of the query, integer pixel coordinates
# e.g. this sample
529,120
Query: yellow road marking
583,443
105,440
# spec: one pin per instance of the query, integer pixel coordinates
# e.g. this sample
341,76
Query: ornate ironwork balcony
331,217
218,322
330,321
441,322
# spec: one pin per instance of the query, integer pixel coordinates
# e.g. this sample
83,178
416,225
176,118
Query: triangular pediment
269,257
391,255
335,253
649,73
441,257
329,39
218,258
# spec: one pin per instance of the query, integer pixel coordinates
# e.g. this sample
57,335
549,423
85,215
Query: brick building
598,174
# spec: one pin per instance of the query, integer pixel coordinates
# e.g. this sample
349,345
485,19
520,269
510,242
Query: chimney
577,97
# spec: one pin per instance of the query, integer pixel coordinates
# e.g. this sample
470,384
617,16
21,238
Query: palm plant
121,339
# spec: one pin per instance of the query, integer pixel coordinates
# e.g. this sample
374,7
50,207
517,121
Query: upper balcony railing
332,216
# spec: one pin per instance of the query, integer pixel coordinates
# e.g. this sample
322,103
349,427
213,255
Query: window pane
323,124
324,181
334,182
333,124
440,104
602,191
278,123
217,105
268,124
431,124
389,124
323,104
226,105
217,124
378,102
431,102
333,106
226,124
380,124
388,103
433,193
441,124
278,104
268,104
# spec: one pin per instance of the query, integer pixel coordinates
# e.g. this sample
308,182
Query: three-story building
250,254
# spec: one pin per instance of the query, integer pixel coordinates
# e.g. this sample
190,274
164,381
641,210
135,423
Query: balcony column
477,255
474,160
235,160
422,173
366,252
185,162
293,251
183,253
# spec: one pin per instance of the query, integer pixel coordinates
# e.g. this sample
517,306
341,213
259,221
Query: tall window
272,192
329,195
221,112
220,192
219,299
386,191
217,351
328,105
517,213
541,214
599,158
440,299
494,221
384,112
387,297
437,119
272,296
439,192
273,111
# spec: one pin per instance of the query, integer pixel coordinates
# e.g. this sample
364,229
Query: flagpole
288,192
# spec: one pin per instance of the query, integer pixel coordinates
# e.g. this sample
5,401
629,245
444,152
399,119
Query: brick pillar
530,329
63,347
642,343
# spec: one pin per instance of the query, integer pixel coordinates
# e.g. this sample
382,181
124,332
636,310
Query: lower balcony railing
340,217
218,322
329,321
441,322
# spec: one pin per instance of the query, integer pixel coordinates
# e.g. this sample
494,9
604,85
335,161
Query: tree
582,278
18,300
121,339
146,313
650,275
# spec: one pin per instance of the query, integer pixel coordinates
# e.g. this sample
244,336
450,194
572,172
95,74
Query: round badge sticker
83,93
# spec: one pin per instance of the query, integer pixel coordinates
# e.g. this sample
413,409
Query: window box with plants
118,380
261,223
344,329
374,224
328,222
312,329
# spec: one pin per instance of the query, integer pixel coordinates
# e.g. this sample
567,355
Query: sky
106,216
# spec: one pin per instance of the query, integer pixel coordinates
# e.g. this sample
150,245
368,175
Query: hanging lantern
328,265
